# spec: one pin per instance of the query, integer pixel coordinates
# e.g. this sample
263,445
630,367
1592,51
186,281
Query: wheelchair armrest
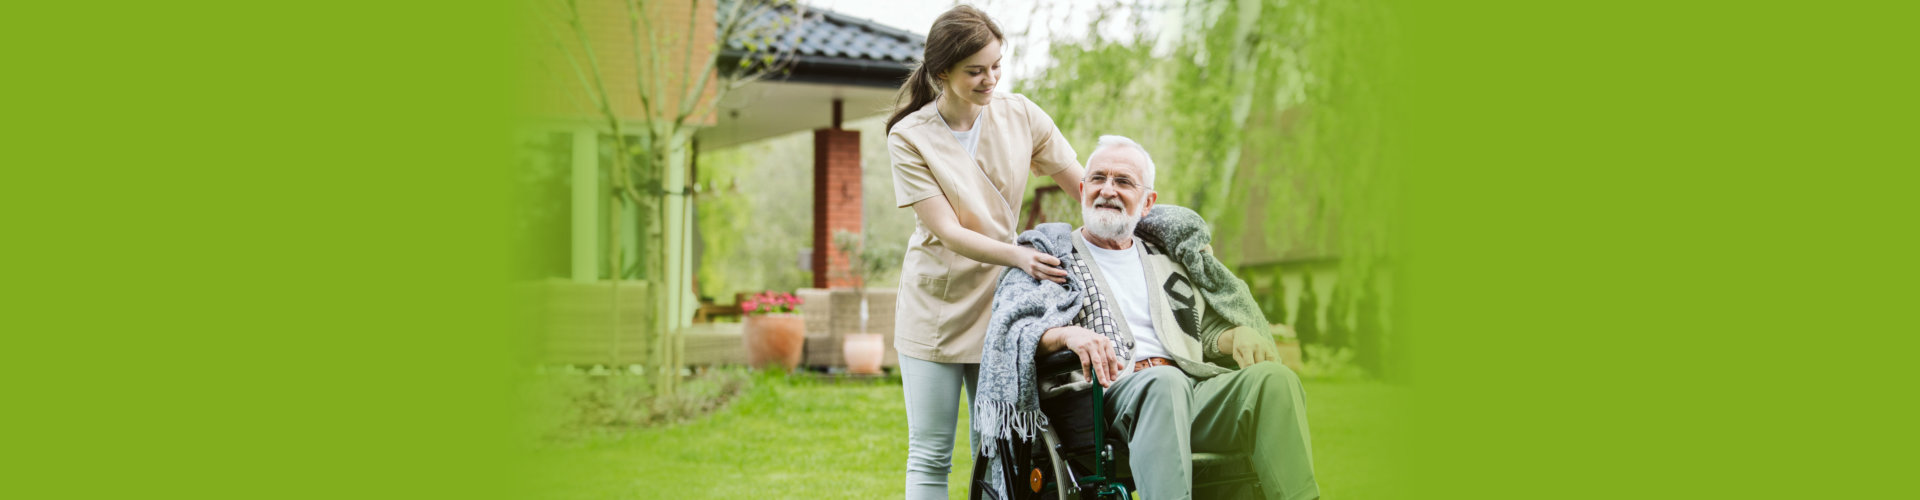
1059,373
1072,402
1062,361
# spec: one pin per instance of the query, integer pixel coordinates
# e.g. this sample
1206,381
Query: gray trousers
1166,415
933,412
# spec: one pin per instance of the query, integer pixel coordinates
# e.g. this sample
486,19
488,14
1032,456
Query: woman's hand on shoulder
938,216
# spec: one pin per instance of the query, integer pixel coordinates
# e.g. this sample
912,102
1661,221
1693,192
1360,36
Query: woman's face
972,79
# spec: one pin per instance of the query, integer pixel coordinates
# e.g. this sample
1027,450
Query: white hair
1110,141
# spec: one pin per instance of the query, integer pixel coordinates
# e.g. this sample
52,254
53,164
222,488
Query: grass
574,405
805,438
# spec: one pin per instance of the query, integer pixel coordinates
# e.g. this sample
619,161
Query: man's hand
1249,346
1095,350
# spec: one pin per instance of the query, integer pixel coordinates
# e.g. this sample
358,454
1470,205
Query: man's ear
1151,197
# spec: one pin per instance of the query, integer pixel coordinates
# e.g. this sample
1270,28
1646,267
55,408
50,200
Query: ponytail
917,92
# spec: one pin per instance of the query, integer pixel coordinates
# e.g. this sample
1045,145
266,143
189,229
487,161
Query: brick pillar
836,201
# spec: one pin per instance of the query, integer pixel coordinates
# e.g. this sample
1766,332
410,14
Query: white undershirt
970,140
1127,285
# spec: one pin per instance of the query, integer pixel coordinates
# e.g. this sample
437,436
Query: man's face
1114,195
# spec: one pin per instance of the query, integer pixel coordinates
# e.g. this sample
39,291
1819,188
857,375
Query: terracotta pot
774,339
863,352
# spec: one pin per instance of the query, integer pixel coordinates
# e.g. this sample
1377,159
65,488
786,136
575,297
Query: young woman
961,152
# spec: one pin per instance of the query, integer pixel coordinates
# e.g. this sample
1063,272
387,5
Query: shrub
1307,323
1370,336
1335,332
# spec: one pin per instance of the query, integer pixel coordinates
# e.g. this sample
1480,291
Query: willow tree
650,77
1266,116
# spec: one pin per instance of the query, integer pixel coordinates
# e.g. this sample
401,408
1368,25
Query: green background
255,251
1657,250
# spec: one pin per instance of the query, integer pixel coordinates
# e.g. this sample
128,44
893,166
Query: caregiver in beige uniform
961,152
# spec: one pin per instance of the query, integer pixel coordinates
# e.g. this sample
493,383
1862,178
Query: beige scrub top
945,298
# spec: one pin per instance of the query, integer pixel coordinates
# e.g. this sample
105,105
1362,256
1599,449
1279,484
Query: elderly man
1162,325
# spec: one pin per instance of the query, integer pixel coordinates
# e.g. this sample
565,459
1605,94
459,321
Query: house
838,65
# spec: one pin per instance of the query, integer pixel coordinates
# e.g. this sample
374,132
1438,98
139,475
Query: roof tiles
824,33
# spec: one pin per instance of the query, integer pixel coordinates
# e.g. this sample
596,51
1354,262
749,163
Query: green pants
1166,415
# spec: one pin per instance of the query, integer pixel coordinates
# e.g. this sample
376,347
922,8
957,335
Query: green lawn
797,438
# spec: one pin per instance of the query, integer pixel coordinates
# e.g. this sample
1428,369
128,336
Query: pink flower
770,302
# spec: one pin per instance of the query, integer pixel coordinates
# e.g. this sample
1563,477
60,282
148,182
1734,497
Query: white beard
1108,225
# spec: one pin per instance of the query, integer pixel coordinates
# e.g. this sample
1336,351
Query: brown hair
956,35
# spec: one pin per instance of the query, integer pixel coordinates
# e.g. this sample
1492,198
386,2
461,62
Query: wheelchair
1077,456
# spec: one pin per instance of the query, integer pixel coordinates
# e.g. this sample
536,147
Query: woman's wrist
1001,254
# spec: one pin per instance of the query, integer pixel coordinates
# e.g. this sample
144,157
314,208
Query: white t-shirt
1127,285
970,140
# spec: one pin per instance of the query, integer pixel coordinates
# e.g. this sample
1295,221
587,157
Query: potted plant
773,332
863,349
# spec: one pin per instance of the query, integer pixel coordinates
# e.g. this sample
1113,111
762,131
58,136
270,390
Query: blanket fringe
1000,420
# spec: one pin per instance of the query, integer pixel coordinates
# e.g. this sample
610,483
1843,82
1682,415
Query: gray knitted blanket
1006,410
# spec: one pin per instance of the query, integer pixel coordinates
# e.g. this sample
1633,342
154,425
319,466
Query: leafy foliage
866,260
1265,116
1370,334
1277,308
753,225
1306,323
677,87
1335,333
